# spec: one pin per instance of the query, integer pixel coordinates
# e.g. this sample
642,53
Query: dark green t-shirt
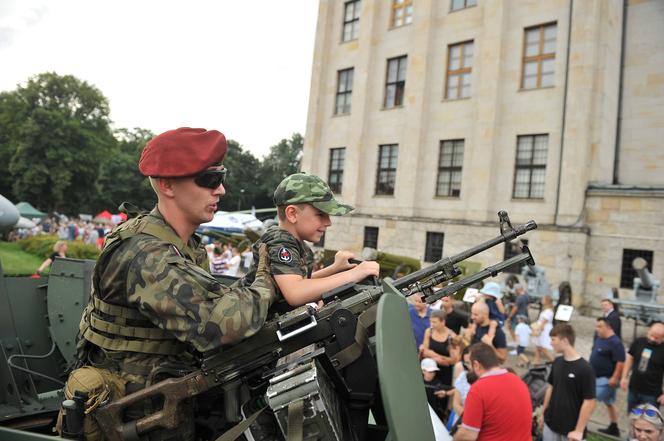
286,255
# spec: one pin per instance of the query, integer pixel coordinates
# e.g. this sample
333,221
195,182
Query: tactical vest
123,328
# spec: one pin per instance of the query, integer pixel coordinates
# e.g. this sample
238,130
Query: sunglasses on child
210,178
650,413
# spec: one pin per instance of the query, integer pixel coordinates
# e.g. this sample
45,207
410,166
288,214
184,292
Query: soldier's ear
166,187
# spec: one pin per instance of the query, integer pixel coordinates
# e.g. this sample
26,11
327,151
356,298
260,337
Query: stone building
430,116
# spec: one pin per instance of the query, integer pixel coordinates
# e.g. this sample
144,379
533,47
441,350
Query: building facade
430,116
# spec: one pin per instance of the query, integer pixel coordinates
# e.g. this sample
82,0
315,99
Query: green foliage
42,245
284,159
56,130
16,262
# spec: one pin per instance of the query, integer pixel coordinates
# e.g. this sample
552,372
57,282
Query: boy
304,206
522,332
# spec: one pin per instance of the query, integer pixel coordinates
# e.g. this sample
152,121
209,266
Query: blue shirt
605,354
420,324
494,313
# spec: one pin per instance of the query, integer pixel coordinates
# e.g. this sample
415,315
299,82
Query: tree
55,140
243,173
284,159
119,178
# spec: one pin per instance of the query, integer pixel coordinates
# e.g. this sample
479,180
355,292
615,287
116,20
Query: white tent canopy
229,223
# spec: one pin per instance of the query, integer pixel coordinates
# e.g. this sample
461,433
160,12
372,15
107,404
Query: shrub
42,246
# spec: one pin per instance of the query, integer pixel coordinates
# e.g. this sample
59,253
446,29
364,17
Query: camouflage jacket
286,255
148,284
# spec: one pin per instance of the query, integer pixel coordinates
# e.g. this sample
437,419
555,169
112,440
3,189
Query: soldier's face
311,223
197,204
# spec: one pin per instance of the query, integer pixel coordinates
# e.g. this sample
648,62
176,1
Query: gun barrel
438,266
641,266
490,271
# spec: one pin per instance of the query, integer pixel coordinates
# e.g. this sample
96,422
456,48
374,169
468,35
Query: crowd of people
463,361
66,229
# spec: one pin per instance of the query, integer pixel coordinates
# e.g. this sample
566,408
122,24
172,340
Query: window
335,172
344,91
459,69
514,249
434,247
387,169
371,237
462,4
530,167
539,56
351,28
450,161
627,272
402,13
395,82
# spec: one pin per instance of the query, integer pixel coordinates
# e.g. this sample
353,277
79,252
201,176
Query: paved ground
584,327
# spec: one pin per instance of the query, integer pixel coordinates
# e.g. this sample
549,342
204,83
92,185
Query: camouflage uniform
154,305
286,255
301,188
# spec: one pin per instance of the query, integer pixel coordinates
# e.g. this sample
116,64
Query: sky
239,66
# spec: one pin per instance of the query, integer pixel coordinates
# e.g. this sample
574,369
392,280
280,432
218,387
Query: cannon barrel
8,215
641,267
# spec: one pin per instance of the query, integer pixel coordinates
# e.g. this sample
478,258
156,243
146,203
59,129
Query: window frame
393,155
451,168
399,85
465,5
530,167
626,269
354,23
338,172
429,252
372,229
348,93
401,4
458,72
539,58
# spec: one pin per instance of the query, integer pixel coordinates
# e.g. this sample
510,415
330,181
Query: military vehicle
644,308
320,372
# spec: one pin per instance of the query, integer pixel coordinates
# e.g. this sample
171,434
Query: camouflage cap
300,188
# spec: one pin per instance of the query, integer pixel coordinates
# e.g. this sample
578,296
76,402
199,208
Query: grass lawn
15,261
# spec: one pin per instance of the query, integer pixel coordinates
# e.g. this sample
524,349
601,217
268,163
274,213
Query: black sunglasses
211,178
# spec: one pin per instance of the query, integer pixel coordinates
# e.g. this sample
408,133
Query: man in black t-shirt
570,397
645,360
454,319
479,315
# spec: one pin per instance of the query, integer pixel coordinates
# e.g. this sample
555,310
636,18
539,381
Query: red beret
182,152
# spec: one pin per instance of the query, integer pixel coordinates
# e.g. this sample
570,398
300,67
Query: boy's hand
341,260
366,269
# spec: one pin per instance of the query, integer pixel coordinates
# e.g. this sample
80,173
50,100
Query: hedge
42,245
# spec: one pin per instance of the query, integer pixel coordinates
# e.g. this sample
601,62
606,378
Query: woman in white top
541,329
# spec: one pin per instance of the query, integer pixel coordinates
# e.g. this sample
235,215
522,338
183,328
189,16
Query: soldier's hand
341,260
366,269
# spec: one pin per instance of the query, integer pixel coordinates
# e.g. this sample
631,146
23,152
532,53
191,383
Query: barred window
344,91
351,27
459,70
627,272
371,237
434,247
450,161
530,169
462,4
402,13
539,56
387,169
395,82
335,172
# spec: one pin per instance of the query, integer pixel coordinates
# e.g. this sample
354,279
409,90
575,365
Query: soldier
154,306
304,206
